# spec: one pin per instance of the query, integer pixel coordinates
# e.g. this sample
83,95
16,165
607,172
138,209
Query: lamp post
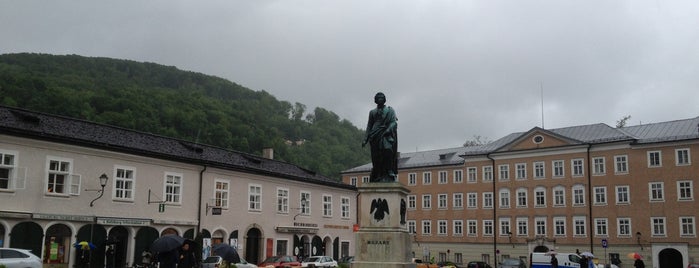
304,204
509,236
103,183
638,239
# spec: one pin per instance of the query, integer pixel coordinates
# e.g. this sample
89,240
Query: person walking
187,258
554,261
638,263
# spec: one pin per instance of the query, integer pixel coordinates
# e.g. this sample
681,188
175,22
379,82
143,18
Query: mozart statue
382,136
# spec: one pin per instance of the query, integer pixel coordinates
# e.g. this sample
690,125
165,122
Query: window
601,227
540,225
687,228
656,191
504,198
345,207
559,196
684,191
472,227
504,226
579,226
365,179
442,201
412,227
458,229
522,226
559,226
621,165
60,180
412,178
540,197
472,174
654,159
487,173
578,195
488,228
558,169
504,172
255,197
173,188
521,169
598,166
443,179
488,200
412,202
305,208
578,167
600,195
353,181
124,183
282,200
221,191
521,198
458,176
426,178
442,227
426,227
682,157
539,170
658,226
458,202
327,205
472,200
7,171
622,194
624,227
426,201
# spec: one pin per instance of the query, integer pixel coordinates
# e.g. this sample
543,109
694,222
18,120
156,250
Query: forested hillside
192,106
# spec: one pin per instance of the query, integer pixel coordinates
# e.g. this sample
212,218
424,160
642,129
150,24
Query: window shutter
75,180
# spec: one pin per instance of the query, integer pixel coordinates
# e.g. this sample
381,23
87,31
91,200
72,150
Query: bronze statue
382,136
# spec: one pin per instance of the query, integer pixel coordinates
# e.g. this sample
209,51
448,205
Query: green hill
192,106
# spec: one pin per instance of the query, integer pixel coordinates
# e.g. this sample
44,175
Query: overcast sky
452,70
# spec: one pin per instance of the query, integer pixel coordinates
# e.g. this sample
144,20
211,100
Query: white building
51,197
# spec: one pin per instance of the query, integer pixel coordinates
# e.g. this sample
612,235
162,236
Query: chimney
268,153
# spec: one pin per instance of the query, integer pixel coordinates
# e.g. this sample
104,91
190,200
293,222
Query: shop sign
15,215
62,217
122,221
296,230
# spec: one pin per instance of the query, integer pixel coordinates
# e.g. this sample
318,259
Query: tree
477,140
622,122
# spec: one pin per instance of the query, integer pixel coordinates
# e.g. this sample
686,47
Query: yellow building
608,191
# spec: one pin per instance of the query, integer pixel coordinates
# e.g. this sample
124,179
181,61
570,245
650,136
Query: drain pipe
589,197
201,184
495,236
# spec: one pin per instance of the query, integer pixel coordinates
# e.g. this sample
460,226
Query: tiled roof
23,123
585,134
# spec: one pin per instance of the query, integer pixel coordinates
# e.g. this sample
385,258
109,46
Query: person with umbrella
228,253
638,262
167,250
187,258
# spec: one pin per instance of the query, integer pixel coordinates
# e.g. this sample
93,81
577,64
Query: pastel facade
569,189
50,195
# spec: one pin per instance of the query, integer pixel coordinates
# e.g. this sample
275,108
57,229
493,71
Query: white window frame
173,196
601,227
504,172
579,226
558,169
521,171
426,202
559,226
306,207
472,228
578,167
656,191
505,226
487,173
623,195
458,228
623,227
412,178
578,197
458,176
621,164
353,181
71,183
522,198
124,183
598,166
345,207
539,197
540,226
683,157
442,201
472,200
472,174
427,178
600,195
458,200
222,194
658,226
443,177
283,195
426,227
255,197
685,190
504,198
559,196
327,205
688,225
442,228
539,170
9,161
655,159
412,227
488,228
522,226
412,201
488,200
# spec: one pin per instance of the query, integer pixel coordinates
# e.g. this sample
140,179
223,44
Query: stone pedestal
383,239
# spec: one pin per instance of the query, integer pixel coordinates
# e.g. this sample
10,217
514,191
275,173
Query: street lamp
304,204
638,239
103,183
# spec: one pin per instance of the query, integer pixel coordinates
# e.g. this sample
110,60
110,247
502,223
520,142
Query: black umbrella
167,243
227,252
